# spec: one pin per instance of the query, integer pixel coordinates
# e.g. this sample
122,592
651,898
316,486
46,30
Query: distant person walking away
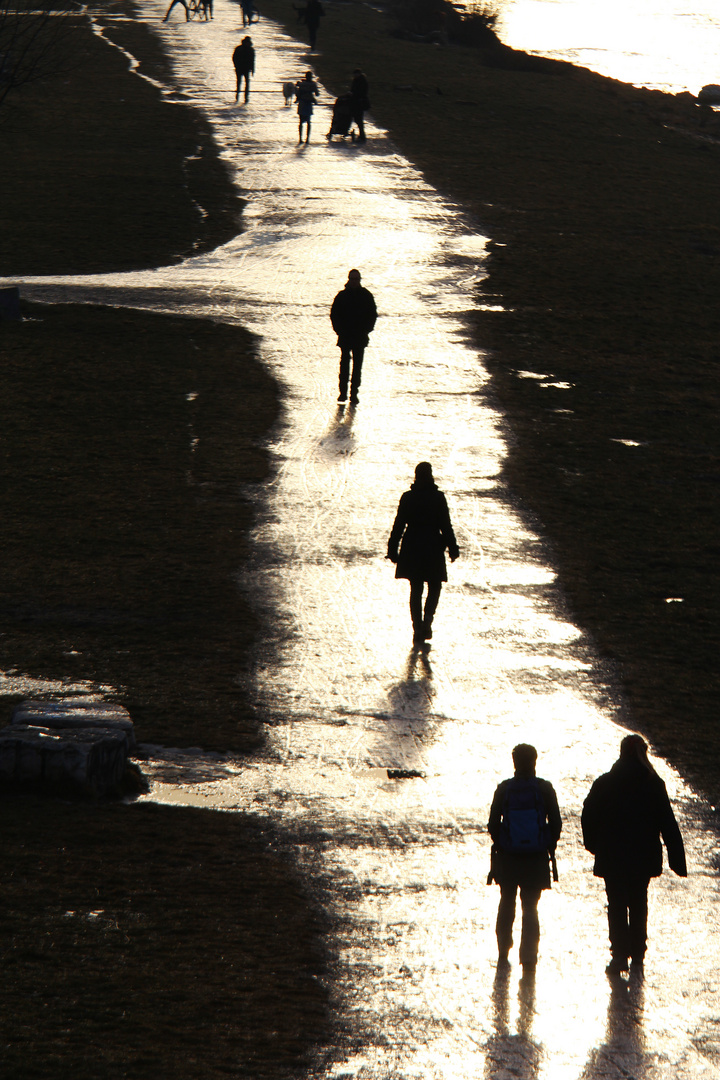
172,5
359,92
525,827
248,12
306,92
420,535
353,315
624,817
312,14
243,59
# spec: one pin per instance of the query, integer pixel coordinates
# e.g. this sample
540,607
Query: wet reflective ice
404,860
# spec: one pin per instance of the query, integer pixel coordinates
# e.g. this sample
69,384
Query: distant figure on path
243,60
312,15
359,91
172,5
306,92
623,819
248,11
353,315
423,531
525,827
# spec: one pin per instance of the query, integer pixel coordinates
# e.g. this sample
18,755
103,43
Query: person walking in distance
422,531
306,92
525,827
312,15
624,817
359,91
244,63
353,315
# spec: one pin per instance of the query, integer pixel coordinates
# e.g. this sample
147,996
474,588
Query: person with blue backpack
525,826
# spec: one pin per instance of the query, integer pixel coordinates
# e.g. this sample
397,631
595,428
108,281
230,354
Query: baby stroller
342,118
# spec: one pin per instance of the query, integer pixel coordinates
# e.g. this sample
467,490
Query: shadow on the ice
623,1052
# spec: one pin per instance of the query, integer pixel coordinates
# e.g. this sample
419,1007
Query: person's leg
637,920
300,127
359,120
344,374
313,35
617,911
416,591
307,131
505,920
530,937
431,603
358,352
247,85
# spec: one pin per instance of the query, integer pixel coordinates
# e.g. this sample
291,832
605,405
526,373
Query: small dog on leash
288,92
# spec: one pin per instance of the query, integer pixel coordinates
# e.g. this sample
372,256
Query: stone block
73,746
75,713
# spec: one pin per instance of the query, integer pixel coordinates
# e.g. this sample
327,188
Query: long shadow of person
623,1052
508,1054
338,439
412,697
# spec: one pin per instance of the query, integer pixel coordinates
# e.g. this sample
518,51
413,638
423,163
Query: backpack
523,827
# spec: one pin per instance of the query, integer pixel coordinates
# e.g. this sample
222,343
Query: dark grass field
126,437
601,204
144,941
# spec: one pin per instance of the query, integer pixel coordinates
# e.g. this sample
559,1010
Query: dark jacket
623,818
423,523
530,871
360,91
243,58
313,13
353,315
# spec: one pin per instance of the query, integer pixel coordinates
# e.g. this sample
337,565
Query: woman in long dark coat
623,819
423,532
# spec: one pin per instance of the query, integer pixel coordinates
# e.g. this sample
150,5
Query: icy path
345,696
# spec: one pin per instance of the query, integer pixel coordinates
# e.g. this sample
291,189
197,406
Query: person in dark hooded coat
624,817
353,315
422,532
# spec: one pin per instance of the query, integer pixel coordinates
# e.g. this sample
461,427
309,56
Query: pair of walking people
626,817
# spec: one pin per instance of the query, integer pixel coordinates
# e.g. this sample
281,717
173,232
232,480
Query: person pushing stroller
342,118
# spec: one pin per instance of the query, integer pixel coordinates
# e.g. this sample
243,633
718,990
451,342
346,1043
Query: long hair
634,748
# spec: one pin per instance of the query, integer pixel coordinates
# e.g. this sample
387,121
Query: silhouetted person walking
525,827
248,10
423,531
243,59
172,5
624,816
306,92
359,91
353,315
313,13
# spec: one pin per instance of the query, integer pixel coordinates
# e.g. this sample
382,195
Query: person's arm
553,814
397,530
336,313
496,812
447,532
670,832
589,819
372,313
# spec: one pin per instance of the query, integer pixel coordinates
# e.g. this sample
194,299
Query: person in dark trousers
525,827
312,15
306,92
244,63
172,5
422,531
353,315
624,817
359,91
248,11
